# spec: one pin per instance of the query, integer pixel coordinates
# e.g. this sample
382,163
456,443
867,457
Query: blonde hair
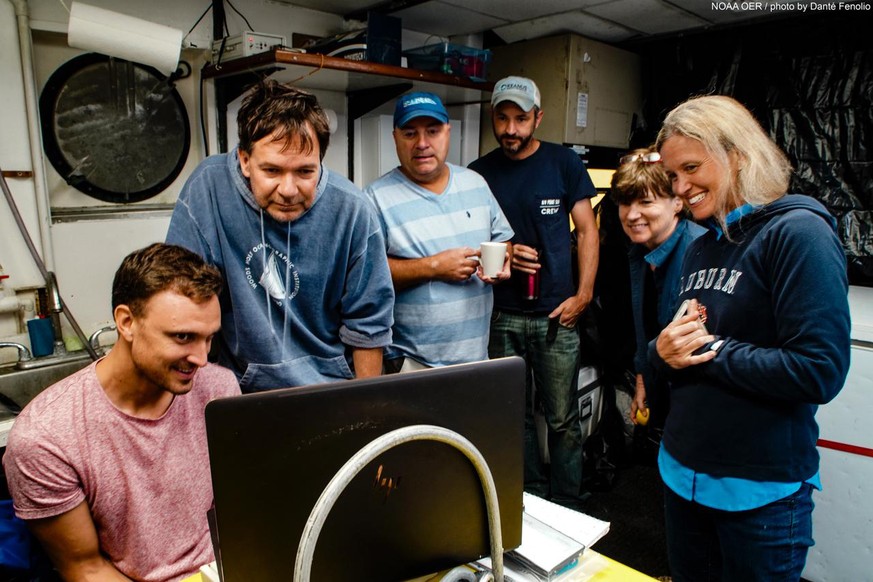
723,126
633,180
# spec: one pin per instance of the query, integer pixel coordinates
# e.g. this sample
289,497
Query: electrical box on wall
244,45
590,90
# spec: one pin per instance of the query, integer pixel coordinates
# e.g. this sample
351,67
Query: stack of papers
553,538
544,551
583,528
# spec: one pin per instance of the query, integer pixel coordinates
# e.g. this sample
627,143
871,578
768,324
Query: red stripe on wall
846,448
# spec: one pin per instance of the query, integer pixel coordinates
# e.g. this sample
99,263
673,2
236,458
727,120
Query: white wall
843,516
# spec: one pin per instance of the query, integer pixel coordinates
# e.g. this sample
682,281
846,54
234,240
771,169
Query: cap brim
523,102
415,114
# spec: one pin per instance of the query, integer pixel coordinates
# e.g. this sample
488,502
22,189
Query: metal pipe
23,352
31,103
54,296
55,307
94,340
53,360
13,207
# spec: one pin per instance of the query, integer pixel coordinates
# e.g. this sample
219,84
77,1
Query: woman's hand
639,400
678,341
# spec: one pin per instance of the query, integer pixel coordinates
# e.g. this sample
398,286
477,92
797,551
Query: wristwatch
712,346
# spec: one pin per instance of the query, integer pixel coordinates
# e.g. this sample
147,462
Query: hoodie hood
783,205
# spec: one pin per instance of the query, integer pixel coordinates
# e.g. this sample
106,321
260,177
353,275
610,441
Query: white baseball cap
520,90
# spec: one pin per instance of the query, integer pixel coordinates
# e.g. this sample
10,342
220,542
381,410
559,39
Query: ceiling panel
726,16
515,11
514,20
331,6
441,19
575,22
648,16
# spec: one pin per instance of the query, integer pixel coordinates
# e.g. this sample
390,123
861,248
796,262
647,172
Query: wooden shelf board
316,71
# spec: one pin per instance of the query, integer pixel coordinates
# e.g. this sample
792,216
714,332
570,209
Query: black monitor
416,509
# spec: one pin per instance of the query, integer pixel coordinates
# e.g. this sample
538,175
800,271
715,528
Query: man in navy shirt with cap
539,186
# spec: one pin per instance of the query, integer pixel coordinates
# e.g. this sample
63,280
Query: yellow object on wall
602,179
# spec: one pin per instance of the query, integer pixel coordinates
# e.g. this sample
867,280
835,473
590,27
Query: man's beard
519,147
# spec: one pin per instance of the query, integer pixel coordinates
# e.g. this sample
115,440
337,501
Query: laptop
416,509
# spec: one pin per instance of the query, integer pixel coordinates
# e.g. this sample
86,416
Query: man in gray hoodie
309,296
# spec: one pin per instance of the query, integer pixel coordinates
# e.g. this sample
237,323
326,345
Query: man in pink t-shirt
109,467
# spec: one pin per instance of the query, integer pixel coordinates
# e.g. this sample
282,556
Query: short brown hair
286,113
634,179
162,267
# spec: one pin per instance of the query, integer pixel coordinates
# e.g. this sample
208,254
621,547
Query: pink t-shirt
146,482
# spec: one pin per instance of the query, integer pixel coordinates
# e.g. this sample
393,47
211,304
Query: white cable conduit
312,529
43,205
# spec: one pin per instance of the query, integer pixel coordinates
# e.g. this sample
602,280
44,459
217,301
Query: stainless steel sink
21,386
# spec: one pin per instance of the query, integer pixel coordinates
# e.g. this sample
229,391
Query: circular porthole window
115,130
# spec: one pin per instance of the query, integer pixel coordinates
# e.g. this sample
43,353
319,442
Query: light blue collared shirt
732,216
726,493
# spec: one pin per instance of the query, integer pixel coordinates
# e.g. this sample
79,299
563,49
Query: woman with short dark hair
654,220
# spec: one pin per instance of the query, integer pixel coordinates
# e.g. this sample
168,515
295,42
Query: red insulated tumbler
532,288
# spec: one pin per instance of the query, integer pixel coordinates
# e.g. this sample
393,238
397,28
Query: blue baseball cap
419,104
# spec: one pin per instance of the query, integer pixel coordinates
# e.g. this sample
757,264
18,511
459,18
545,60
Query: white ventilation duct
118,35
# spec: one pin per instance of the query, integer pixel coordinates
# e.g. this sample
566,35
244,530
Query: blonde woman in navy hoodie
762,342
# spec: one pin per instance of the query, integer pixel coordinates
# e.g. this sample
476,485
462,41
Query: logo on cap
419,105
519,90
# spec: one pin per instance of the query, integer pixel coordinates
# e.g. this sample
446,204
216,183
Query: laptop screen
416,509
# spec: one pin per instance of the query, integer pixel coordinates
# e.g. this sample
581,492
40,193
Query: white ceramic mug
493,257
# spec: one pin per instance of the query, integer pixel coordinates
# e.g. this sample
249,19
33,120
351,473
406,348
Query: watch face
115,130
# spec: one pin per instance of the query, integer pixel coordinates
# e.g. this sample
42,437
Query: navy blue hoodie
776,293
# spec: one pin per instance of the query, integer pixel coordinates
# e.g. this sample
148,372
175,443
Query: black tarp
809,81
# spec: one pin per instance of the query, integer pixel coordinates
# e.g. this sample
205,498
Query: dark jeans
765,544
555,366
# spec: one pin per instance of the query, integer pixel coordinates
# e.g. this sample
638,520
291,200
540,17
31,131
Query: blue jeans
769,543
555,367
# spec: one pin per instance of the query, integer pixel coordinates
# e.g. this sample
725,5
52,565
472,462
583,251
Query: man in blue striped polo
434,216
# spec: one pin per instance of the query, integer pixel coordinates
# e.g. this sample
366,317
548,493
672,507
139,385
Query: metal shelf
332,73
366,85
